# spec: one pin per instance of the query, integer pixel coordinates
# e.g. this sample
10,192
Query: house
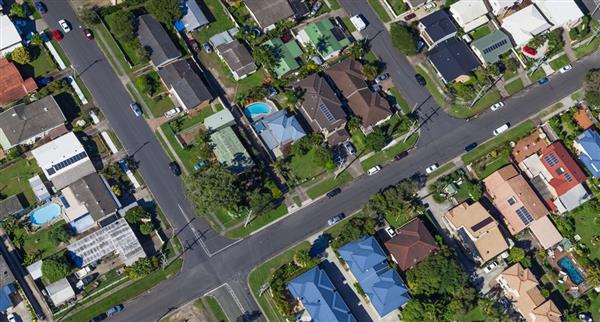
10,206
230,151
499,7
25,124
8,291
544,231
469,14
319,297
219,120
514,198
525,24
557,177
63,160
322,109
437,27
521,287
350,82
10,39
12,85
327,39
413,4
368,263
115,238
477,230
193,16
560,13
300,8
587,146
279,131
287,54
452,59
237,57
412,244
268,12
155,38
185,85
60,292
583,120
489,47
529,145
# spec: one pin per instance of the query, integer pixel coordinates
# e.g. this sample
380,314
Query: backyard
41,63
43,243
219,23
14,179
587,225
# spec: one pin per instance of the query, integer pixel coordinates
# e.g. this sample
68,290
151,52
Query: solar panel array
53,169
495,46
568,177
326,112
525,216
551,159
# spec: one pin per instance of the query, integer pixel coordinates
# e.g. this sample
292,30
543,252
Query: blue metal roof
279,129
590,154
320,298
5,301
367,261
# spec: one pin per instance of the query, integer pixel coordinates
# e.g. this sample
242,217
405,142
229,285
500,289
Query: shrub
403,38
54,269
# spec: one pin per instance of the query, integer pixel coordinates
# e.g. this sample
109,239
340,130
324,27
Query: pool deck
558,255
256,117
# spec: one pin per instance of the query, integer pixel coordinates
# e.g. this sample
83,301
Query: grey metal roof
92,192
10,206
154,36
237,57
453,58
268,12
193,17
6,276
438,25
183,79
493,45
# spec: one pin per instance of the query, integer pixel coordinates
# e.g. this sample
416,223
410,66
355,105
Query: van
501,129
358,22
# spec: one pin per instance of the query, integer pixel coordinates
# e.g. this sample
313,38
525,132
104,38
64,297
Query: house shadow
68,106
344,289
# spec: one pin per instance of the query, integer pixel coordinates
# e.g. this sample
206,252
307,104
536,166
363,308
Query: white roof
465,11
60,291
499,5
35,270
475,23
9,36
524,24
545,232
60,155
574,197
559,12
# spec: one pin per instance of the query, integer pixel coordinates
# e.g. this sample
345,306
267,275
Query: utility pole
413,128
263,289
248,218
484,90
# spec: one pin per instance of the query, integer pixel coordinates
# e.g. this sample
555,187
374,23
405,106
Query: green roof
325,37
287,55
491,46
230,151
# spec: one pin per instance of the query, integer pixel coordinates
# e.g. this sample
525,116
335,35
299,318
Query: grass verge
559,62
215,309
259,222
328,184
514,86
483,103
386,155
380,10
441,170
512,134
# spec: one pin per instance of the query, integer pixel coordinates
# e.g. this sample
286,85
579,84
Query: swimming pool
257,110
566,264
44,214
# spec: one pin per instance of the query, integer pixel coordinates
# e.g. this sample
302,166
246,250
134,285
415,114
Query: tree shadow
68,105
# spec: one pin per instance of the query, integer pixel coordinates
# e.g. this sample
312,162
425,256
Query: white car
11,318
565,69
497,106
172,112
358,22
64,25
430,5
501,129
490,267
390,231
431,168
374,170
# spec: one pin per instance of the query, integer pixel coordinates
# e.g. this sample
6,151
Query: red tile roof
12,85
583,119
412,244
565,172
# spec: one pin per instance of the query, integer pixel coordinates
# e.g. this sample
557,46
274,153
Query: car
98,318
420,79
501,129
135,108
194,45
381,78
11,318
174,167
207,48
88,34
64,25
490,267
410,16
335,219
315,8
56,34
543,81
431,168
401,156
430,5
470,146
359,22
374,170
41,7
172,112
390,231
334,192
565,69
376,88
497,106
43,81
349,148
114,310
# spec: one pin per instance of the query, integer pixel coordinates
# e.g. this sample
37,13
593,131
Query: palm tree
322,43
593,276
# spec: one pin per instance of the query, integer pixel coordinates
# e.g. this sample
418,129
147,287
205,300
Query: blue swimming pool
257,110
44,214
566,264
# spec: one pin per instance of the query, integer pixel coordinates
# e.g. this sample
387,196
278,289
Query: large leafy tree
403,38
20,56
166,11
267,56
54,269
376,140
400,201
136,214
214,188
17,11
122,24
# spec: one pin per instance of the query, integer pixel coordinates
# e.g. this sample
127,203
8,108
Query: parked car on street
374,170
431,168
11,317
335,219
88,34
114,310
420,79
41,7
359,22
56,35
470,146
565,69
136,109
543,80
174,167
501,129
64,25
334,192
401,155
497,106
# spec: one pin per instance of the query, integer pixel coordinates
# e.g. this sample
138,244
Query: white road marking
196,234
231,292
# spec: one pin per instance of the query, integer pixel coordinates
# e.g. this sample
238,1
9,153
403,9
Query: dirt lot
191,312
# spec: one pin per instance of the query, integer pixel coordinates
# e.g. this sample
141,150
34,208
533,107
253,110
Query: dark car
420,79
88,34
41,7
543,81
410,16
98,318
114,310
194,45
470,146
334,192
43,81
335,219
401,156
175,168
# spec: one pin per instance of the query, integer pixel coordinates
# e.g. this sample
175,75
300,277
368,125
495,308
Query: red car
56,35
410,16
88,34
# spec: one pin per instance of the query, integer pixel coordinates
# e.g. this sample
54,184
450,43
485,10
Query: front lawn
129,48
559,62
380,10
14,179
358,140
588,48
510,135
158,104
303,166
219,23
481,32
514,86
223,74
475,315
490,167
398,6
328,184
189,155
537,75
258,222
348,24
398,99
595,308
462,111
41,63
381,157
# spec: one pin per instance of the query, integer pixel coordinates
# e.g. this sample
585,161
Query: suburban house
368,263
287,54
268,12
436,28
60,292
489,47
237,57
10,206
499,7
560,13
193,16
514,198
525,24
413,4
327,39
532,144
156,39
11,39
63,160
453,60
279,131
319,298
322,109
583,120
521,287
8,291
469,14
25,124
412,244
115,238
12,86
557,177
372,108
587,146
87,201
477,230
230,151
300,8
185,85
545,232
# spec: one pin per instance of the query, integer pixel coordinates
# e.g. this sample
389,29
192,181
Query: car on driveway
11,318
172,112
64,25
390,231
470,146
431,168
501,129
420,79
490,267
497,106
565,69
334,192
350,149
135,108
376,88
315,8
374,170
543,80
335,219
174,167
41,7
382,77
410,16
88,34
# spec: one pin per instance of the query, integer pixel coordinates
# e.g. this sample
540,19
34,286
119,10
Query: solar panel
524,215
66,163
568,177
482,223
551,159
495,46
326,112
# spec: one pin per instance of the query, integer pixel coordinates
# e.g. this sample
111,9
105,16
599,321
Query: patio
554,257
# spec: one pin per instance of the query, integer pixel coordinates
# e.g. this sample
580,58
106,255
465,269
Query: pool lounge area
45,214
568,267
258,110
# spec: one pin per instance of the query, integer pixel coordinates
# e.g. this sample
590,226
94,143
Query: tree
89,17
214,188
266,56
516,254
376,140
354,122
36,39
260,201
54,269
122,24
593,276
135,215
17,11
60,234
142,267
146,228
116,189
20,55
147,84
165,11
358,49
323,157
302,259
403,38
370,71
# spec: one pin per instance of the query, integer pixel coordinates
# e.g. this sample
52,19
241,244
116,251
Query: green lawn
258,222
189,155
475,315
441,170
333,4
588,48
358,140
328,184
587,226
226,219
398,99
514,86
559,62
398,6
595,308
380,10
215,309
480,32
303,167
128,48
537,75
118,57
223,74
40,241
490,167
483,103
40,65
14,179
160,104
220,23
348,24
262,274
386,155
432,86
512,134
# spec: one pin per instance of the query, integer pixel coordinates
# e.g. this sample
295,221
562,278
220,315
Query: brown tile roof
583,119
412,244
12,85
527,146
320,106
547,312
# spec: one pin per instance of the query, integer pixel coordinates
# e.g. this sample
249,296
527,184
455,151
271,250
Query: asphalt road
443,139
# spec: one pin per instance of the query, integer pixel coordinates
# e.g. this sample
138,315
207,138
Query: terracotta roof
566,174
12,85
412,244
527,146
547,312
583,119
